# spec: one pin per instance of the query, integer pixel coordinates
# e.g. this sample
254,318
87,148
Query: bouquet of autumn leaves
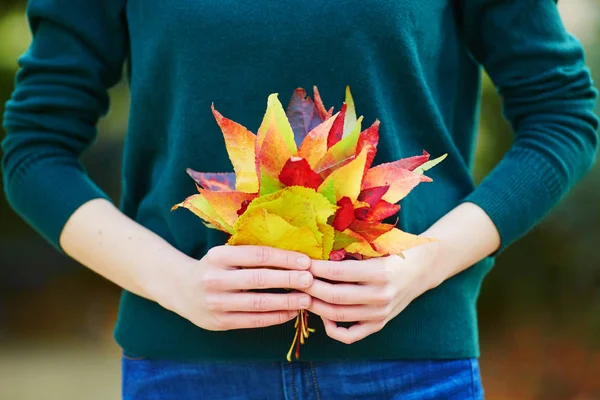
305,183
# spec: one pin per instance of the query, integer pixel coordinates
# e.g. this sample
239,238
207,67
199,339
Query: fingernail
303,262
304,280
292,314
304,302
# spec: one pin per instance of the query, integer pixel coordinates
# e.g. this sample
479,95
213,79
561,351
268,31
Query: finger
258,256
342,293
258,302
348,313
243,320
353,334
374,270
244,279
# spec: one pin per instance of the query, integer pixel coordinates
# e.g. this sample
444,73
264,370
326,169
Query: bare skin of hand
373,292
369,292
212,293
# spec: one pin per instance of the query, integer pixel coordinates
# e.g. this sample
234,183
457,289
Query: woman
188,325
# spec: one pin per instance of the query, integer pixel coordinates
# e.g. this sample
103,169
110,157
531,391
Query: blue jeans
378,380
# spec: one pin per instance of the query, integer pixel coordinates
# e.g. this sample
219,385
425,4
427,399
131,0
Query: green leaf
268,184
342,240
328,191
429,164
350,119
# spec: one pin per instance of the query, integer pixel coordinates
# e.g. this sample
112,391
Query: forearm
100,237
465,236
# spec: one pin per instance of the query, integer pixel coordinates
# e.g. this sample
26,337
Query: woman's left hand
370,292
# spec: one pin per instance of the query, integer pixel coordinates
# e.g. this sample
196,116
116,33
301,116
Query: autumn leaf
344,215
372,195
216,181
328,238
347,179
342,150
369,138
360,246
302,114
350,119
199,205
227,204
396,241
337,129
370,230
239,142
379,212
314,146
297,172
297,206
401,181
258,227
323,113
429,164
276,121
342,240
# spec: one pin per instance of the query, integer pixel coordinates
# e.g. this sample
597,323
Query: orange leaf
227,204
370,230
240,143
314,146
397,241
199,205
323,113
273,154
401,181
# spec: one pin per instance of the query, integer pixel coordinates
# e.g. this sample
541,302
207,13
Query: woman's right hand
213,292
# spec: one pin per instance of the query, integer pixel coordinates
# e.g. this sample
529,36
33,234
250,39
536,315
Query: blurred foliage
539,307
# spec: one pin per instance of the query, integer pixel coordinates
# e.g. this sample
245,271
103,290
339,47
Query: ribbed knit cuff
47,195
518,193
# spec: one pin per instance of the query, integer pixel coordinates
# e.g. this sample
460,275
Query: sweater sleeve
77,53
548,98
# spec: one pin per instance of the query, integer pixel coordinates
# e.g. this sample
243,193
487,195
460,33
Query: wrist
164,285
428,258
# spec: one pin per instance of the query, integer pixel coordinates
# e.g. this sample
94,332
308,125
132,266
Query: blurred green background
539,307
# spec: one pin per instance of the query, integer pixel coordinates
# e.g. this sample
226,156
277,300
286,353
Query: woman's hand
213,292
370,292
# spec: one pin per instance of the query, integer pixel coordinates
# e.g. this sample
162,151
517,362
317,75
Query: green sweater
413,64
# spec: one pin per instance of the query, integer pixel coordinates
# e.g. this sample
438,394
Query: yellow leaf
328,238
397,241
276,120
360,246
294,200
227,204
199,205
260,228
348,178
350,119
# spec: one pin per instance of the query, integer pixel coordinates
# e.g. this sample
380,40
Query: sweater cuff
518,193
47,196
